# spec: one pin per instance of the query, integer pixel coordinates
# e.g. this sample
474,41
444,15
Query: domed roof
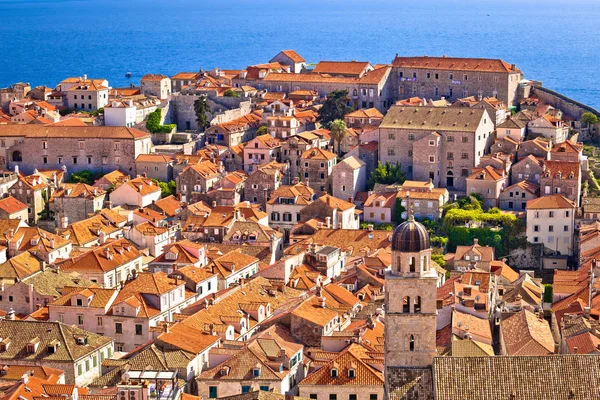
410,237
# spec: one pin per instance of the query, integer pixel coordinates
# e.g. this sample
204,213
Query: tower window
411,343
417,308
412,264
406,304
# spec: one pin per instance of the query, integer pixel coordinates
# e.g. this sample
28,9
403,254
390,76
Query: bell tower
410,299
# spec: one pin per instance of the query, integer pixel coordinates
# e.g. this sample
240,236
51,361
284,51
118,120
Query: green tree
398,210
231,93
338,133
438,259
262,130
86,176
387,174
201,109
166,188
589,118
334,107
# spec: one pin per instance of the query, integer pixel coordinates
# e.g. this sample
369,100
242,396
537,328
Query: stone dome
410,237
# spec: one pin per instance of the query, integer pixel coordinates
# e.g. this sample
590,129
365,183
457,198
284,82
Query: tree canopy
201,108
334,107
338,132
166,188
86,176
261,130
386,174
589,118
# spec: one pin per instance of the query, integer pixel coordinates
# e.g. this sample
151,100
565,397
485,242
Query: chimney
214,204
282,354
575,350
165,327
10,315
328,222
475,241
349,199
44,265
322,302
211,327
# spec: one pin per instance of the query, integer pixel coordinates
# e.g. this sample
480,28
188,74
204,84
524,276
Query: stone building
285,204
538,147
567,151
488,182
56,345
87,94
198,179
529,168
348,177
513,128
264,181
561,177
360,119
496,109
261,150
12,208
476,256
32,191
339,213
291,59
97,148
155,166
232,133
183,79
316,166
156,85
442,143
293,148
549,127
507,145
74,202
17,91
515,197
372,89
453,78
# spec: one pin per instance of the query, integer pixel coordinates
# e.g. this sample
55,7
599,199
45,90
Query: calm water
555,41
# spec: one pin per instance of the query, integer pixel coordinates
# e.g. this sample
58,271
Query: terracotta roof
583,343
300,192
486,252
155,158
295,57
331,202
526,335
231,262
454,64
525,185
106,257
487,173
154,77
354,357
11,205
186,75
365,113
560,377
562,169
142,185
457,119
77,190
317,154
69,132
341,67
550,202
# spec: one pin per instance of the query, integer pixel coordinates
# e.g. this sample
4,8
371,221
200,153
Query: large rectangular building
453,78
436,143
97,148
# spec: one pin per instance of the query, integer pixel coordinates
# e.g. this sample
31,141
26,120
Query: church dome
410,237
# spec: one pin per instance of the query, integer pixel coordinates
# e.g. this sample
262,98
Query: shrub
548,293
86,176
153,123
231,93
439,259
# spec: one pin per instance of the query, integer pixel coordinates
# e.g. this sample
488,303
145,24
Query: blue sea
42,42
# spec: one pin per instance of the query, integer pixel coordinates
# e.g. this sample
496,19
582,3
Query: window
373,396
551,214
313,396
94,361
212,392
87,365
411,136
74,160
79,369
89,159
45,160
352,396
81,144
566,228
431,159
391,136
245,389
551,228
411,343
334,373
264,388
60,160
391,152
333,396
118,327
465,139
536,228
44,145
80,319
100,321
432,142
79,302
464,156
450,155
450,139
138,329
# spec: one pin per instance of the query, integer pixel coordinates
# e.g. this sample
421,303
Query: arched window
412,265
406,304
411,343
17,156
417,306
